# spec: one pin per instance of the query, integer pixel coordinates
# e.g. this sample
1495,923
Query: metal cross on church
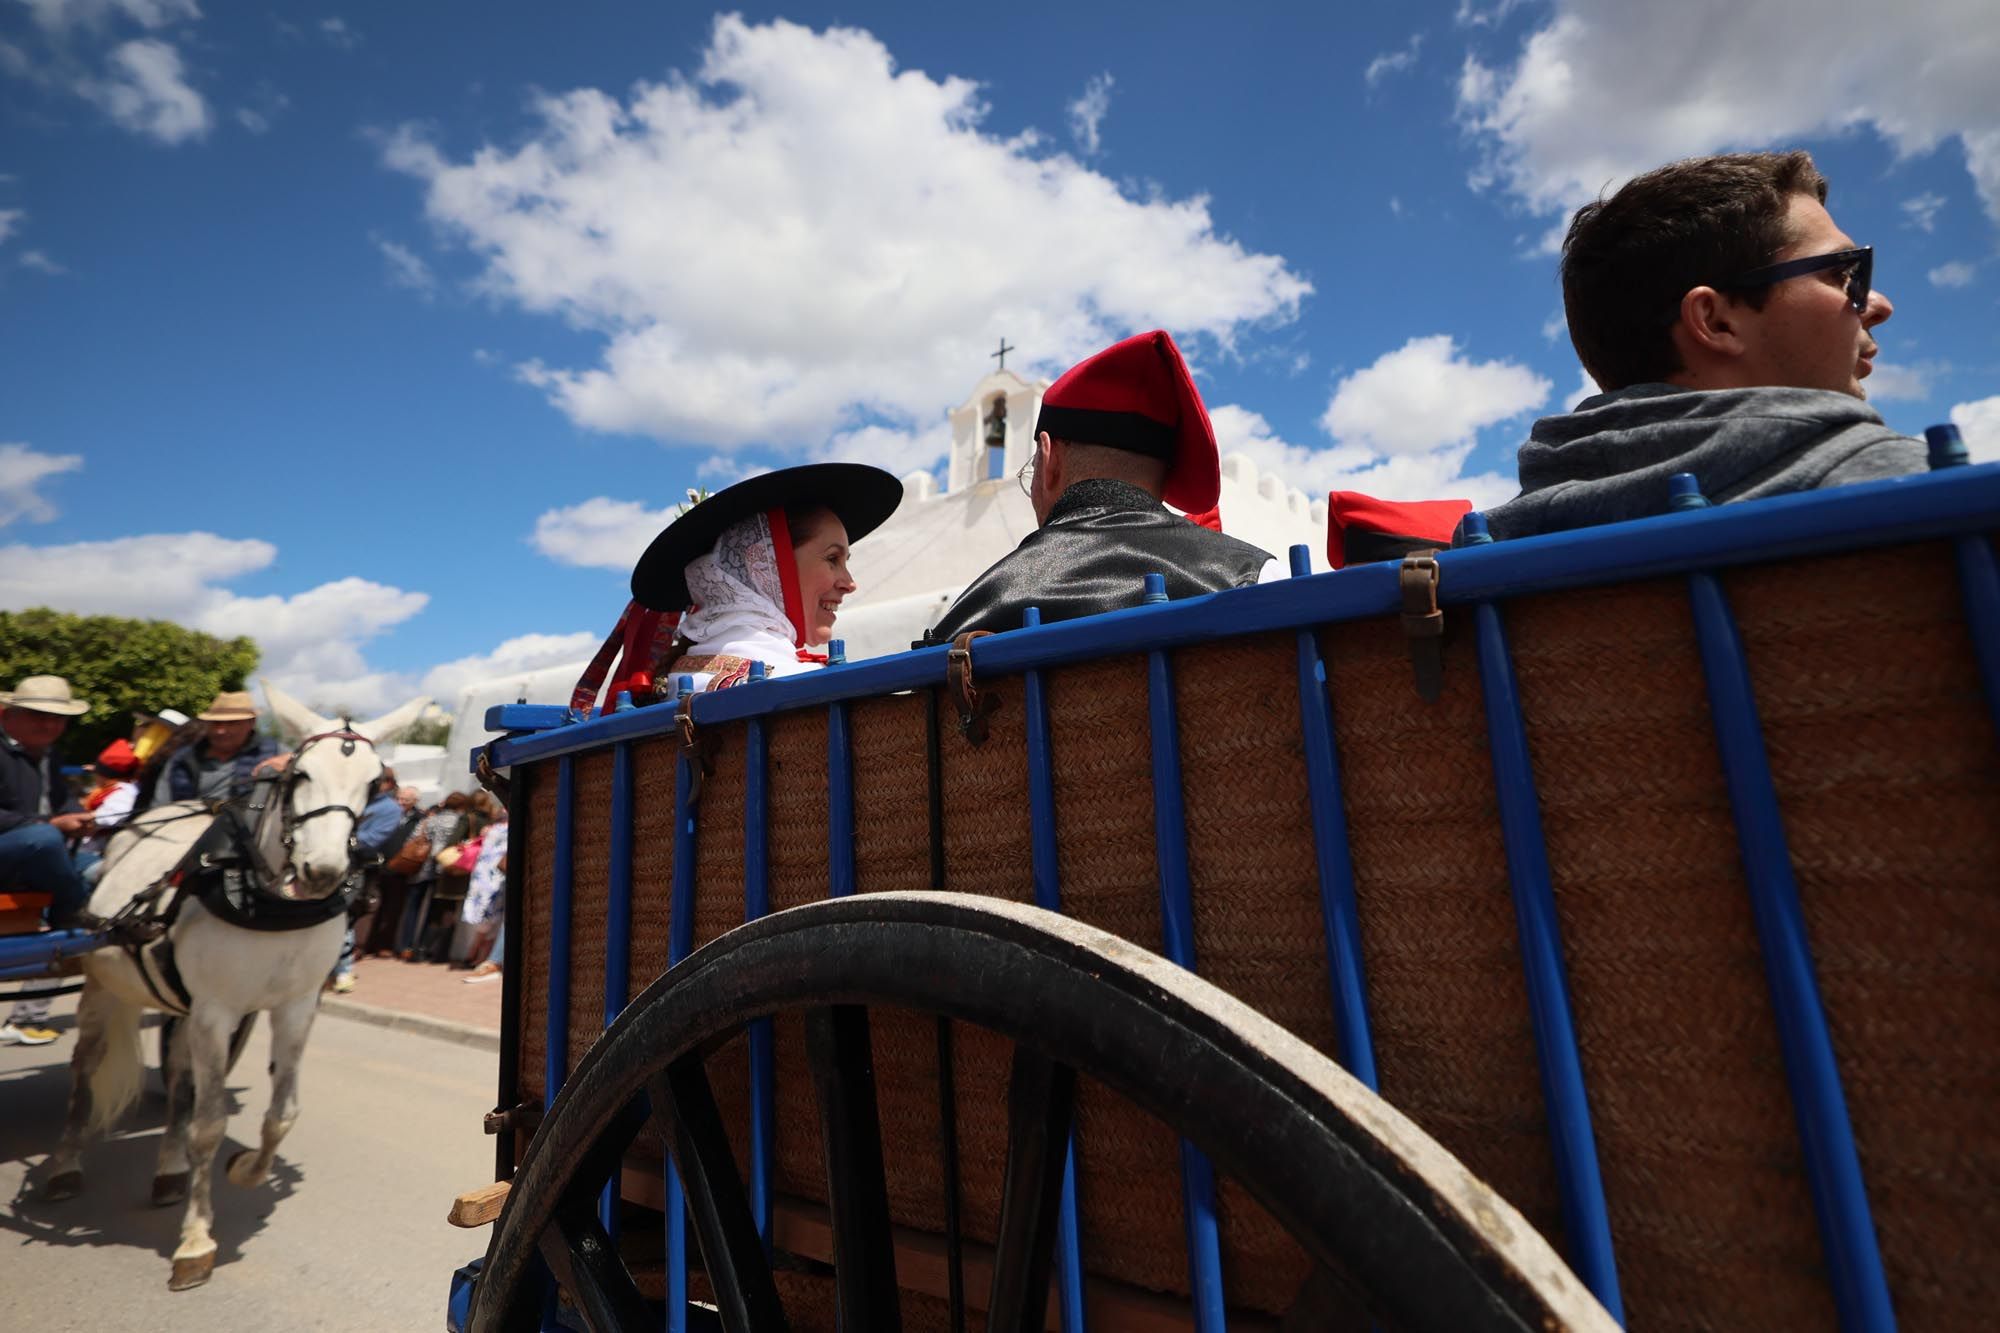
1002,353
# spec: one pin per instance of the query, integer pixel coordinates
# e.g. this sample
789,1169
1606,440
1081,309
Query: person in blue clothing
38,818
224,761
375,832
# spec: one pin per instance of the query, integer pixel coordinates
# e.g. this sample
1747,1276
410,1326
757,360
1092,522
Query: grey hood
1609,460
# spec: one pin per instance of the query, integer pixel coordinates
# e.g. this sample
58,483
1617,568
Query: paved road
348,1234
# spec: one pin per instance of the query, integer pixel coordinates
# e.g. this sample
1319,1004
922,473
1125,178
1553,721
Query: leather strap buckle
974,704
1423,622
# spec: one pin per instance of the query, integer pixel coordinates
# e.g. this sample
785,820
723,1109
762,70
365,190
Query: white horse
229,973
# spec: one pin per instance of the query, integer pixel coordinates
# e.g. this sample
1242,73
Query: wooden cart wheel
1365,1192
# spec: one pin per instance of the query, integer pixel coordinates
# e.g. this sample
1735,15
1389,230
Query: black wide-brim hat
862,497
1137,395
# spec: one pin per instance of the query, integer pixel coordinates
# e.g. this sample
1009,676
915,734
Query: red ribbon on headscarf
788,579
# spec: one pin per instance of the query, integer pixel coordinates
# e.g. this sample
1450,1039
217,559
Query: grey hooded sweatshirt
1609,460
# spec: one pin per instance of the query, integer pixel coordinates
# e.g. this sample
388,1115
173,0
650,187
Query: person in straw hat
221,764
1121,436
38,818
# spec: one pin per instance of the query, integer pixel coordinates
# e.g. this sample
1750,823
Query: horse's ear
294,717
392,724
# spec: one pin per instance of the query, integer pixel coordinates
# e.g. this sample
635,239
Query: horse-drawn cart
1646,878
34,963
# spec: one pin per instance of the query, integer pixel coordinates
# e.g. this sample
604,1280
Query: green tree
120,667
427,731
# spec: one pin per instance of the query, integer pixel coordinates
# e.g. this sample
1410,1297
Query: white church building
913,566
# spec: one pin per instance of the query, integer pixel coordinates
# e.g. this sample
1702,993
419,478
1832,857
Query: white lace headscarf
736,587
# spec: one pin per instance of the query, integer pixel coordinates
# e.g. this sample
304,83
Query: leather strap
1423,622
974,704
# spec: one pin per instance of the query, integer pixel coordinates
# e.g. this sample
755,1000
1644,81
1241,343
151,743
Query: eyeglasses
1026,476
1860,266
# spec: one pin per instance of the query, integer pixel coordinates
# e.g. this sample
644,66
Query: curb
464,1034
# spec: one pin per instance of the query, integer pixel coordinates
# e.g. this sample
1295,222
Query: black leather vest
1101,540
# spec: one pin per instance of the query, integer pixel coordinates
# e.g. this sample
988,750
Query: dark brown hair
801,519
1628,260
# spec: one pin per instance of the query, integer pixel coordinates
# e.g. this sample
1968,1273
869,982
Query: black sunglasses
1860,263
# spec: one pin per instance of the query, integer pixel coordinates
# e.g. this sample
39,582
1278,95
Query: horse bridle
289,822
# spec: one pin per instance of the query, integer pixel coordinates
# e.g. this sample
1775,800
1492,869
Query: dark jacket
181,778
1609,460
1101,540
21,787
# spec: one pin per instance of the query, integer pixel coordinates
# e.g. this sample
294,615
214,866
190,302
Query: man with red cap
1119,434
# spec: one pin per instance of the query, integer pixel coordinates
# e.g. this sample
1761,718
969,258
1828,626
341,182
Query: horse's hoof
241,1169
191,1272
170,1189
63,1185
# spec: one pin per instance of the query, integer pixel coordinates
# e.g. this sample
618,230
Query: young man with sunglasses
1730,323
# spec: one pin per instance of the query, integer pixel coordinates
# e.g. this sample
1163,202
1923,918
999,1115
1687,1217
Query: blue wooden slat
618,926
1979,582
1340,913
839,803
1826,1135
680,943
1048,894
1177,926
1978,576
555,1067
1586,1222
756,903
1900,509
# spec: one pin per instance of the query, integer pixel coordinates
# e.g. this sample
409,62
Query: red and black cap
1137,395
1361,529
861,495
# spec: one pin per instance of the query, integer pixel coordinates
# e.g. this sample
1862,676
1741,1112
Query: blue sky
387,333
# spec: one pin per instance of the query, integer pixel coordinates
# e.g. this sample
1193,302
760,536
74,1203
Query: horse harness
230,869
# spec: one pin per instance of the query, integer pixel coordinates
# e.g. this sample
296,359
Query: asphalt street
348,1234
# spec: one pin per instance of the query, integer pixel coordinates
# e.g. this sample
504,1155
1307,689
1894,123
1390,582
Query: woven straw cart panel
1884,756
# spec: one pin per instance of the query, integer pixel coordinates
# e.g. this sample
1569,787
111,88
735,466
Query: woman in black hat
757,572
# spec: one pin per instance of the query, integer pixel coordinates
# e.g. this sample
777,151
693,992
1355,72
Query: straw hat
44,694
230,706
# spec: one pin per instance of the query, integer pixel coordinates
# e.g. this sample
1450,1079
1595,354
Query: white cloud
406,267
785,245
41,263
1086,113
144,91
1439,474
1979,422
898,451
1892,382
1957,273
1403,428
1923,210
1393,62
1470,15
523,653
310,641
600,533
1586,387
22,471
1604,89
10,218
336,33
61,15
1555,327
1425,396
